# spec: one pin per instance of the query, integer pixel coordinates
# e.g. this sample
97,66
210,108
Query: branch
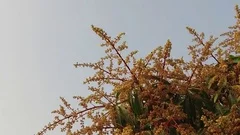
204,45
104,70
126,65
67,117
111,78
120,56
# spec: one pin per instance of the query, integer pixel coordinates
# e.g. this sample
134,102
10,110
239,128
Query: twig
67,117
199,39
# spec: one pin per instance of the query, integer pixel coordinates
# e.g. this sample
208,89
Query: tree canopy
158,94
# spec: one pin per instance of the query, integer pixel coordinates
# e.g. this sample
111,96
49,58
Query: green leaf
222,82
217,94
238,99
136,103
119,120
232,99
117,96
206,101
172,131
125,115
138,106
235,59
189,108
221,109
178,99
216,97
148,126
211,81
201,131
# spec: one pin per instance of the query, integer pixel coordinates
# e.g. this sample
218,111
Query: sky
40,40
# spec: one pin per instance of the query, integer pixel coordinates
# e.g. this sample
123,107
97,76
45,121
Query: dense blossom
159,94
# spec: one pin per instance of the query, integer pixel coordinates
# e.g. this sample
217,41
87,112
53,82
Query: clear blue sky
40,40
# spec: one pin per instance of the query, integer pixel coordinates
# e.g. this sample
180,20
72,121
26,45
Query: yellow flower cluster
159,94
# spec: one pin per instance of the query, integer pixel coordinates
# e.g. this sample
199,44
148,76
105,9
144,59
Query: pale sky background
40,40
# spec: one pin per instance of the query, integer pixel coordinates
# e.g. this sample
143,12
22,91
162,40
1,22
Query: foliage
159,94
